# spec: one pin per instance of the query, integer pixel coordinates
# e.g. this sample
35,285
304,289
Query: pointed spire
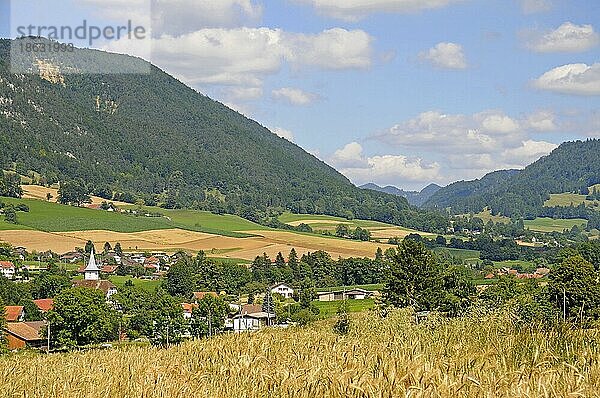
92,272
92,263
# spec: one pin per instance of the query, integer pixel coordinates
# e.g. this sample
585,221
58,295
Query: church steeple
92,272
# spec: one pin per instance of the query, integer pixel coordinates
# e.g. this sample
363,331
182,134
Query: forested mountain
415,198
150,137
572,167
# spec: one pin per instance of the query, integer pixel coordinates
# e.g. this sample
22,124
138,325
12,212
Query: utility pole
564,305
48,352
167,333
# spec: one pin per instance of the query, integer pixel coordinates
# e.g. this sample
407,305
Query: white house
7,269
283,289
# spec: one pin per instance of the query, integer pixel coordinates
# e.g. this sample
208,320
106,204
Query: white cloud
350,156
576,79
469,146
385,169
177,17
243,93
294,96
527,153
535,6
353,10
542,121
283,133
446,56
245,56
568,37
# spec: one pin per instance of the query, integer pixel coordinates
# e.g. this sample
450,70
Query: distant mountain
150,137
572,167
415,198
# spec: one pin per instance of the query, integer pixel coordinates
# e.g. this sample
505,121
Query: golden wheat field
470,357
171,240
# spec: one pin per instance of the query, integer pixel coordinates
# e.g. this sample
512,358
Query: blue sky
401,92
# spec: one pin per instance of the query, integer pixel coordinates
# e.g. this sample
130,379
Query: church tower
92,272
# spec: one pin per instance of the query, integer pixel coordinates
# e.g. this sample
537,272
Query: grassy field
462,254
148,285
53,217
552,225
482,356
329,308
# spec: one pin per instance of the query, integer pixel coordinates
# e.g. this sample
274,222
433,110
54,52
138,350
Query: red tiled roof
251,308
28,331
6,264
187,307
44,304
13,312
201,295
109,269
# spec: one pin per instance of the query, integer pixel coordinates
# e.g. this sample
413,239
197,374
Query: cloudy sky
401,92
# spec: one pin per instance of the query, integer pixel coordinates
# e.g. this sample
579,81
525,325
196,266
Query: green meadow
553,225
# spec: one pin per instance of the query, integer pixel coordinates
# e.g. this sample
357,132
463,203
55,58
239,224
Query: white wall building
283,289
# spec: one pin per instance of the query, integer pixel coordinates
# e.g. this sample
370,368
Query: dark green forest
572,167
149,137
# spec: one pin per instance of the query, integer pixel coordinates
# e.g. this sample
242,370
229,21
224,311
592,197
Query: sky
395,92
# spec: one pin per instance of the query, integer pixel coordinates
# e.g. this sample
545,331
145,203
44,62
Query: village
93,271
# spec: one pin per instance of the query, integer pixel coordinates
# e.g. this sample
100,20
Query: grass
479,356
329,308
148,285
553,225
53,217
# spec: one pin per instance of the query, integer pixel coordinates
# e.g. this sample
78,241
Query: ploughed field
394,357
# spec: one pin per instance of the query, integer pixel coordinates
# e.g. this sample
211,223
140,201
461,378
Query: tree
89,246
209,318
48,196
73,193
50,284
80,317
342,231
107,247
268,305
574,289
342,324
10,215
118,249
306,293
181,278
415,278
10,185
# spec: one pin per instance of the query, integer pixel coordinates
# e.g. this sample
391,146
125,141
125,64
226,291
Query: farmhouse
71,257
283,289
7,269
251,318
188,310
25,334
352,294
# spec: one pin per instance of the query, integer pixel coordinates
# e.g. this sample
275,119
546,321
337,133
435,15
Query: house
251,317
283,289
188,310
7,269
44,305
25,334
352,294
91,279
152,263
14,313
200,295
109,269
71,257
